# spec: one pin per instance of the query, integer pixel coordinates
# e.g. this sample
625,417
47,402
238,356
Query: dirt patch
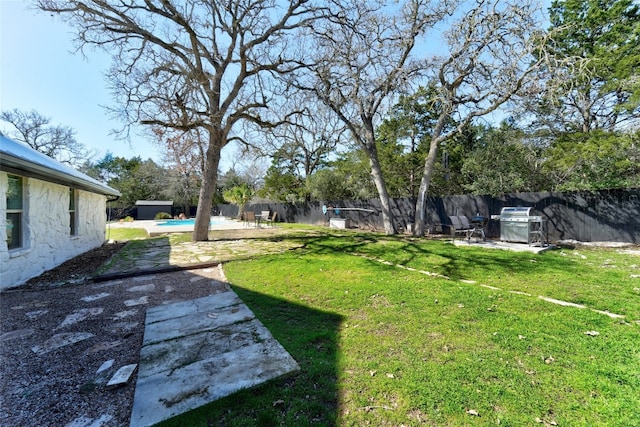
75,270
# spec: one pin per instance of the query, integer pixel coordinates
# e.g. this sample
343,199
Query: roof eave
9,163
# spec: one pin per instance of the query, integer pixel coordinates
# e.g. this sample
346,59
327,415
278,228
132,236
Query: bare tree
363,60
191,64
493,51
58,142
184,158
304,142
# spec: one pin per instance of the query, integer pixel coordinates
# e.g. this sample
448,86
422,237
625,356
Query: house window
72,212
14,212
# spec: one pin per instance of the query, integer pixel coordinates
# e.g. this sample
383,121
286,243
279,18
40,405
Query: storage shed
147,209
49,212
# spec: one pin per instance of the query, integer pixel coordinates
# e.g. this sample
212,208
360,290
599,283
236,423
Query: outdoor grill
518,224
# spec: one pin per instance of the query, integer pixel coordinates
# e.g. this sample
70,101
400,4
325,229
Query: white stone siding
47,242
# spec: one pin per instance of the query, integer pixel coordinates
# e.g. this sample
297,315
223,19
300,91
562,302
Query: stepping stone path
57,333
122,321
60,340
197,351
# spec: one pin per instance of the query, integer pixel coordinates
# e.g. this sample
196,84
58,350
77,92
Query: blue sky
38,71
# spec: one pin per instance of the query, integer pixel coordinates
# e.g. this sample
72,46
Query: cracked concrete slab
195,352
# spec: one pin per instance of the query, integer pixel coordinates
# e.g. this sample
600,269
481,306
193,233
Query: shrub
163,215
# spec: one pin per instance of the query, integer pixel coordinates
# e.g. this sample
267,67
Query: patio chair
458,226
475,228
249,218
272,220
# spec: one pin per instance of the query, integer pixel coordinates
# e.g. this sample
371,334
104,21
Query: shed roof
21,159
154,202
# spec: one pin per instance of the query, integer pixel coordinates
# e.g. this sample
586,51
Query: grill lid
508,213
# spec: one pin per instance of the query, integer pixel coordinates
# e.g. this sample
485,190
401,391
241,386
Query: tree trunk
208,188
381,186
421,202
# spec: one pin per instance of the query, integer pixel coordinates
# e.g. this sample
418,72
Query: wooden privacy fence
605,215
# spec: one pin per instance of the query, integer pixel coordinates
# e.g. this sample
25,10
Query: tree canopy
592,78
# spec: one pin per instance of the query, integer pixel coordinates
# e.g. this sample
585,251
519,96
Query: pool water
192,221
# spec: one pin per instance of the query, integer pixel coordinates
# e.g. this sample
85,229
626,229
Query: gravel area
58,330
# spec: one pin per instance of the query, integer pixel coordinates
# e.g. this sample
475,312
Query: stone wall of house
47,241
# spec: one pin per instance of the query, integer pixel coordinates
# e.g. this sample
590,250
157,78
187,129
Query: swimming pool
192,221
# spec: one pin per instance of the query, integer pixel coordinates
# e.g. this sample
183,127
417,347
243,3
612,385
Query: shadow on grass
438,256
308,397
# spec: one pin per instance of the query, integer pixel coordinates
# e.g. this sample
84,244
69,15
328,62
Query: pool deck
154,229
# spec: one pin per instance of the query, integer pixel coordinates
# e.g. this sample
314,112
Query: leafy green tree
595,160
502,161
283,185
111,169
403,144
401,140
237,176
147,181
595,82
134,178
328,184
448,177
240,195
347,178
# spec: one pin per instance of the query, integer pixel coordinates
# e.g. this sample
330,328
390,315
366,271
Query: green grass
126,233
381,344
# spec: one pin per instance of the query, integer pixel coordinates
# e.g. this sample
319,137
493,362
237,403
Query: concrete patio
497,244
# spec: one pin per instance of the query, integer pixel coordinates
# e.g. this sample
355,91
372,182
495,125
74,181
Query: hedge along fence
606,215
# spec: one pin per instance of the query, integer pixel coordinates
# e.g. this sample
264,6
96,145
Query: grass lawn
126,234
401,331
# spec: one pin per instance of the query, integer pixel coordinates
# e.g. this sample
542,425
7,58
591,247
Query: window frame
15,213
73,211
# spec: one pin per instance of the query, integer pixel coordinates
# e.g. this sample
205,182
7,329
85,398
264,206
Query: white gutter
23,160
